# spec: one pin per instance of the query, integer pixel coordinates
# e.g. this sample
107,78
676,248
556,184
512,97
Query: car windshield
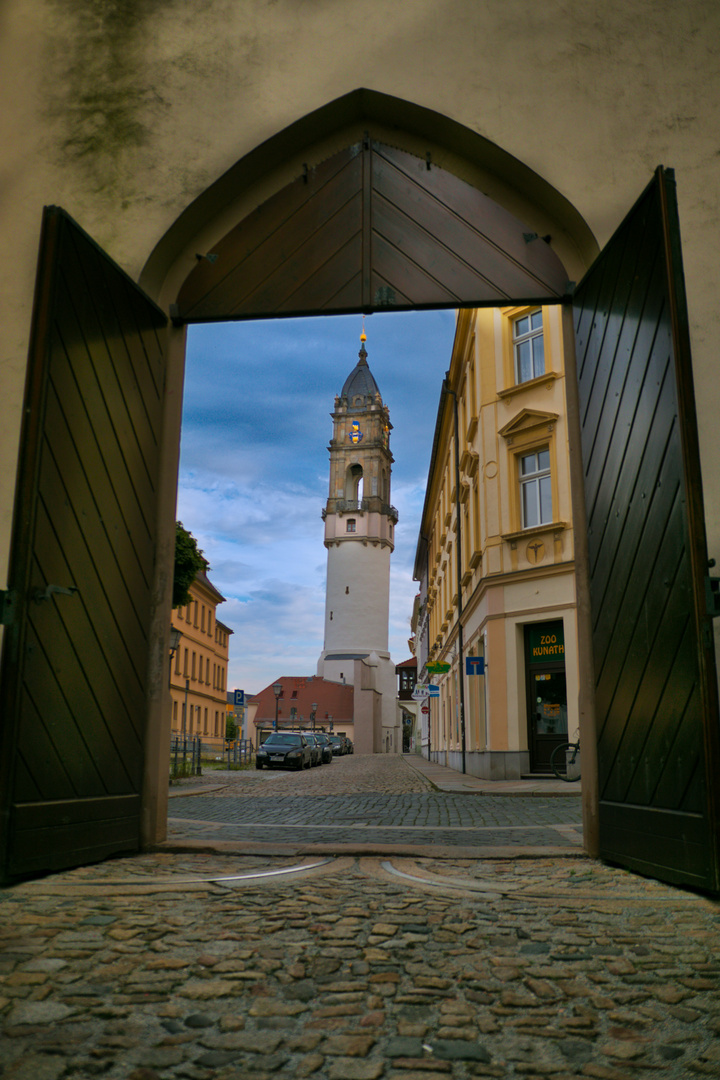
322,739
283,740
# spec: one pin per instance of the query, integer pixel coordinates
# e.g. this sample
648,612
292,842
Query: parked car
284,749
349,748
327,754
338,745
315,748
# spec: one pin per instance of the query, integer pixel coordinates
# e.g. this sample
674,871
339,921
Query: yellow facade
198,673
509,577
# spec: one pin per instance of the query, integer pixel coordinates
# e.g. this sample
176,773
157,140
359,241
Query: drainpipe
458,547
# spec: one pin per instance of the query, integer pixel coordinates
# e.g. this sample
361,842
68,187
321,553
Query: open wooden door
655,679
73,682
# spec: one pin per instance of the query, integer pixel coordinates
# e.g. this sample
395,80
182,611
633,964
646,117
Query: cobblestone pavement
161,967
380,800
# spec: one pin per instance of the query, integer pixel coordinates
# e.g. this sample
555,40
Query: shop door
654,665
78,608
547,714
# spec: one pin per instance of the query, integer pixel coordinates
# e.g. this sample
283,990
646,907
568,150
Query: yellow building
503,588
198,680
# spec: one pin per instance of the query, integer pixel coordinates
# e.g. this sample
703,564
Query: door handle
57,589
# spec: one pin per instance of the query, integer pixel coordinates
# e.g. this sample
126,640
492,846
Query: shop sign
546,643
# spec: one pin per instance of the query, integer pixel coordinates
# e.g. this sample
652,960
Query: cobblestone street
380,800
229,966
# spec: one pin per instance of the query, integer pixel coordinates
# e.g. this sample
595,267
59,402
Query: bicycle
565,760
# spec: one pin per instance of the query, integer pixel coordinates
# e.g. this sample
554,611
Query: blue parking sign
239,699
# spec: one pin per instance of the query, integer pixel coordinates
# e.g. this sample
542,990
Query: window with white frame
529,346
536,488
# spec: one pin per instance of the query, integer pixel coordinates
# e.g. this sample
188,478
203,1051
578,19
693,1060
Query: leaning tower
359,537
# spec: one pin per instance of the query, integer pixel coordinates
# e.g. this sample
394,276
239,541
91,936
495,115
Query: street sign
438,669
425,709
239,698
474,665
433,691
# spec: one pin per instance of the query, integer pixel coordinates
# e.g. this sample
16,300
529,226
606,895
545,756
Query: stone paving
183,966
358,800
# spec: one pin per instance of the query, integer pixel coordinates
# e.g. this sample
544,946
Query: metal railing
185,751
239,752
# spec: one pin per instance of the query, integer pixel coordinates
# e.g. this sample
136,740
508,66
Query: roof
204,581
360,381
411,663
301,692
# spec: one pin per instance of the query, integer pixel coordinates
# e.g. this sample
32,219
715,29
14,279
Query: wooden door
73,686
655,680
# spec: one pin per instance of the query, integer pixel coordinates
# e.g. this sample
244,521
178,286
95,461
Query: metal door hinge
7,607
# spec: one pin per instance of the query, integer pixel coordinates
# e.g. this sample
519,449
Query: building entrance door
546,692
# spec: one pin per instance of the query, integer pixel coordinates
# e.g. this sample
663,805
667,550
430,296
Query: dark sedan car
338,745
315,748
323,740
284,750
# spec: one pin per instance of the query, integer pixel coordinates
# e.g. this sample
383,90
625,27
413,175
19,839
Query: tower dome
360,383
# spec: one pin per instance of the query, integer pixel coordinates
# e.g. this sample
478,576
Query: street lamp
175,636
277,691
312,714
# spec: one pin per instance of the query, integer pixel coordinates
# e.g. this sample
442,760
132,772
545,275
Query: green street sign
437,669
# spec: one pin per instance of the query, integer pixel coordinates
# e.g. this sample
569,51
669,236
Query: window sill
541,380
535,530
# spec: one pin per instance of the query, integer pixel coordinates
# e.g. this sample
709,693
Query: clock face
355,434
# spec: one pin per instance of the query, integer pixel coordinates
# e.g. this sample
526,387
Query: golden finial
363,336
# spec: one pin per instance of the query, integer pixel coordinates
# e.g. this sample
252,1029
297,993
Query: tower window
351,525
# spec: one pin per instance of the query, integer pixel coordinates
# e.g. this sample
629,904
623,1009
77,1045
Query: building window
529,346
536,488
350,525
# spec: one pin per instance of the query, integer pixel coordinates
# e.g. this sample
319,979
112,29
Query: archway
399,163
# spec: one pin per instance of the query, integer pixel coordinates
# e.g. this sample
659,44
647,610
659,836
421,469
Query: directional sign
474,665
433,691
239,698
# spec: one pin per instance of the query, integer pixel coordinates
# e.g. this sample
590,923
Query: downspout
458,547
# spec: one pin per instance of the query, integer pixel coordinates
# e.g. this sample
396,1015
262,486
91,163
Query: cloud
254,469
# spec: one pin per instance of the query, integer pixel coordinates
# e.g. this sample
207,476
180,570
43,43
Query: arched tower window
354,483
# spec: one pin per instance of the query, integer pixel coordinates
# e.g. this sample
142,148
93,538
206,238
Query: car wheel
258,765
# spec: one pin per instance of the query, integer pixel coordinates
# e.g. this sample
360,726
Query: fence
185,753
239,752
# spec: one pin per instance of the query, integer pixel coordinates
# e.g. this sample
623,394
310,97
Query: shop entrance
546,692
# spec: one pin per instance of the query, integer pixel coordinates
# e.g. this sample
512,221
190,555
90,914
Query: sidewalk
445,779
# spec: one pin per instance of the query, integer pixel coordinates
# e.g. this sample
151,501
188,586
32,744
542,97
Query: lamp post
175,636
312,714
277,691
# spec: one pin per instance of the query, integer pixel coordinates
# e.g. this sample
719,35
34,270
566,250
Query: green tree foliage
189,561
231,728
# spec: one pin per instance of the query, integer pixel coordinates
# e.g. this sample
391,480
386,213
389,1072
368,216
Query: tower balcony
373,505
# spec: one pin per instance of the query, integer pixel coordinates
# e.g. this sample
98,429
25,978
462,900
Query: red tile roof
411,663
300,692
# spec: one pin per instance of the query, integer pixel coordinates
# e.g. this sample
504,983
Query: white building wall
358,597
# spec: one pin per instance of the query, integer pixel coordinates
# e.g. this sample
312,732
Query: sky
254,470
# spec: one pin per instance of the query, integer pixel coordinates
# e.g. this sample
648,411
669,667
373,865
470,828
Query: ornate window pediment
528,420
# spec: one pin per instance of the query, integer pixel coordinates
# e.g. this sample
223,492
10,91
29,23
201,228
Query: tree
189,561
231,728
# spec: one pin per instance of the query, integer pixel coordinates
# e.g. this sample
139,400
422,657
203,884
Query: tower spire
363,338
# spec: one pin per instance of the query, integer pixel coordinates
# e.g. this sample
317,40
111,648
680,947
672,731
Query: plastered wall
124,111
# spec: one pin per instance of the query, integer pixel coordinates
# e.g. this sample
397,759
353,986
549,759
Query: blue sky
254,469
